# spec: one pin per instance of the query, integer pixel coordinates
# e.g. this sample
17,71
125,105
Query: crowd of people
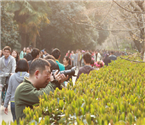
98,58
31,69
102,57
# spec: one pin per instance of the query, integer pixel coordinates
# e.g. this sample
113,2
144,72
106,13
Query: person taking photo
28,92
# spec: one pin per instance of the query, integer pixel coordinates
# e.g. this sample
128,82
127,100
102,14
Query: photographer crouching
28,92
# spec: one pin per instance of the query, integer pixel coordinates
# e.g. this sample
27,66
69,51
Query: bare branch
136,6
100,28
106,14
127,9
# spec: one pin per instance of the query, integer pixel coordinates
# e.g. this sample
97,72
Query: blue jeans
13,110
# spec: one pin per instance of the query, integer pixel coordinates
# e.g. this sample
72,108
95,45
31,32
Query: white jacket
10,68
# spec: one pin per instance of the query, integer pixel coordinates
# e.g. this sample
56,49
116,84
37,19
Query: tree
29,16
95,12
132,20
9,28
118,17
62,32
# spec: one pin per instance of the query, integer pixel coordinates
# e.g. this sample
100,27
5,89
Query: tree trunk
23,33
23,40
116,43
34,40
143,54
143,51
142,37
138,45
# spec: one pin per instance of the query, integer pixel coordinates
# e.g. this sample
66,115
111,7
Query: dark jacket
107,60
28,57
112,57
67,68
85,69
29,63
26,95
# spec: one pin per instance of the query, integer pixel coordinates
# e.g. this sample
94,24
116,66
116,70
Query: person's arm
13,65
81,58
21,55
29,95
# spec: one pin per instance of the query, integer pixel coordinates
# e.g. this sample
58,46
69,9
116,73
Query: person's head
24,49
54,65
22,66
122,53
6,51
83,51
40,72
107,55
87,51
92,62
66,61
1,53
87,58
35,53
99,64
41,54
42,51
28,50
15,54
49,57
30,47
45,51
56,53
111,52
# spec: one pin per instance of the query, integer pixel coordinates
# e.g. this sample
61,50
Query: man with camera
27,93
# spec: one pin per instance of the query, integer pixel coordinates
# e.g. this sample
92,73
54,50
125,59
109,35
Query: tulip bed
113,95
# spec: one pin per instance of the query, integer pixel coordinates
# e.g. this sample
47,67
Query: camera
70,72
